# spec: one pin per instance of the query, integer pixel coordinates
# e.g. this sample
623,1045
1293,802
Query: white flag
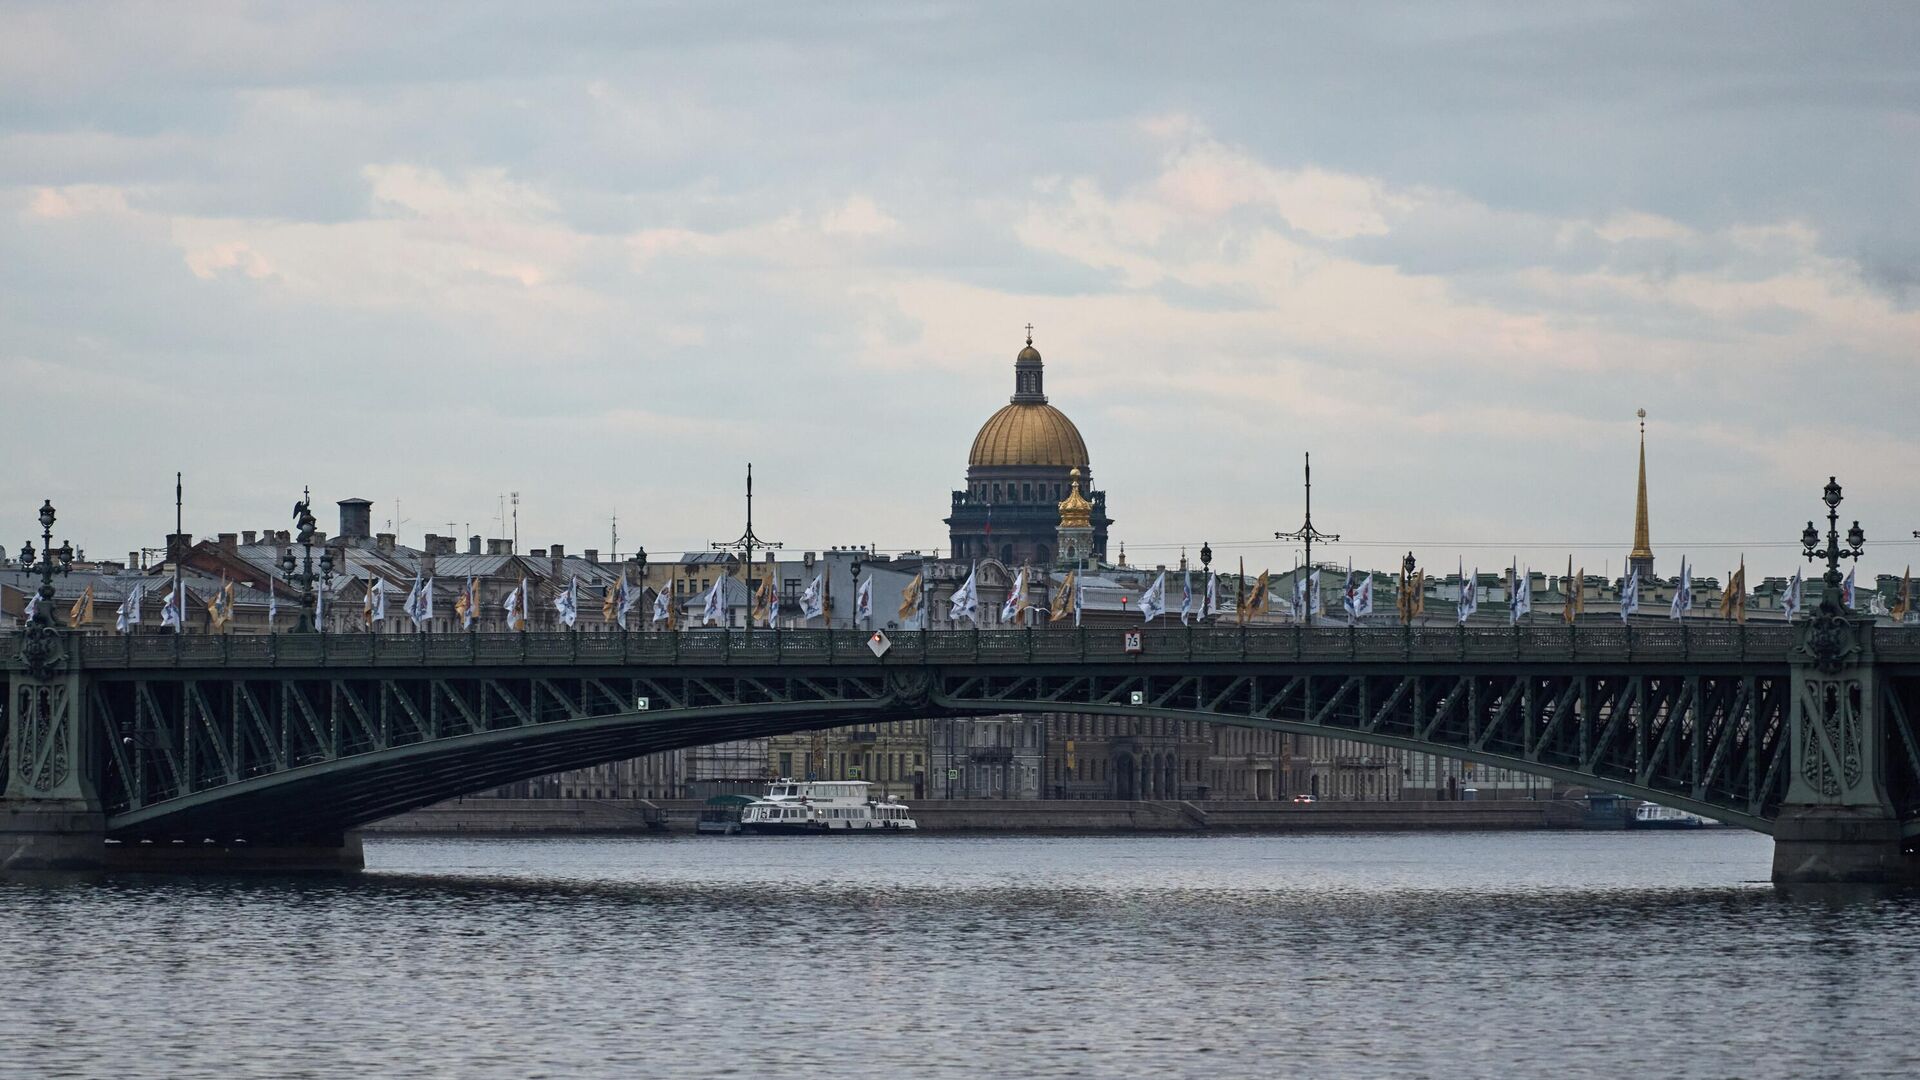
1316,601
1846,589
1363,596
1186,597
1211,605
516,616
1153,602
374,607
173,607
419,605
1683,596
813,601
1016,600
32,608
1349,594
127,616
863,600
1522,594
715,609
320,608
663,603
567,604
1791,602
273,607
1469,593
1630,595
629,596
966,601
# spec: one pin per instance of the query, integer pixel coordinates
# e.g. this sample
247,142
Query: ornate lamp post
1307,533
301,575
52,561
1830,600
745,545
640,562
853,590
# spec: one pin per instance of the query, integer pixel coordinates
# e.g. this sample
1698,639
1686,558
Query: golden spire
1075,511
1642,544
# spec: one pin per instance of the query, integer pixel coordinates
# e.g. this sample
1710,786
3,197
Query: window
1026,492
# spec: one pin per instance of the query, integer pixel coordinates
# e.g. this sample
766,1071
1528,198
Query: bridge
287,743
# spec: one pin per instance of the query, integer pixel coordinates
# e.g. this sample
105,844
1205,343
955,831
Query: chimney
384,542
593,555
537,553
229,541
247,537
473,545
284,536
499,546
133,559
443,545
426,565
356,519
559,551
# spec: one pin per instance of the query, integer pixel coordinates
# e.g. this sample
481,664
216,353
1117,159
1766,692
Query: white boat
823,806
1655,816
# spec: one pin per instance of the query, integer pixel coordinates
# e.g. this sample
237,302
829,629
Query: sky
606,255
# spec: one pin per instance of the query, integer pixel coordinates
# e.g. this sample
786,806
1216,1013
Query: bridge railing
1543,643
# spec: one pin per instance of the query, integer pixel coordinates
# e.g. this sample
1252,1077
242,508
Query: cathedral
1025,462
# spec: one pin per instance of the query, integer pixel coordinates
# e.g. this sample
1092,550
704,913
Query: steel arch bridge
293,738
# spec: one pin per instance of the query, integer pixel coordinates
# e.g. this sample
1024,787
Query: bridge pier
50,816
51,834
1837,824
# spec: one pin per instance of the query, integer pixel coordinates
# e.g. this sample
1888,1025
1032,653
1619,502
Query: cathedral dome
1028,433
1027,430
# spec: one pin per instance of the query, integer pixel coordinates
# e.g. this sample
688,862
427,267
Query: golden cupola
1027,430
1075,511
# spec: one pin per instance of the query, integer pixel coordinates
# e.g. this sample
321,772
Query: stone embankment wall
563,816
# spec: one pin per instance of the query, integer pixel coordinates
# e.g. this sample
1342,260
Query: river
1508,955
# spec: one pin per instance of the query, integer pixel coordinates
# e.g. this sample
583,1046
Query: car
1304,799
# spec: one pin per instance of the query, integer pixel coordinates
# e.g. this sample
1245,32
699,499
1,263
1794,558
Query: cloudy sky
430,254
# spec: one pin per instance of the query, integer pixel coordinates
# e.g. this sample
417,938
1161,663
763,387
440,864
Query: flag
1575,600
663,605
1299,593
1733,602
374,607
863,600
273,606
630,596
1795,596
966,600
1316,603
127,615
173,607
1257,597
1068,600
812,602
611,601
320,608
567,604
1016,603
1630,596
1846,590
32,610
1522,594
715,609
515,606
220,608
419,605
1153,602
467,604
1683,595
82,611
1469,593
1413,596
1211,606
766,601
1186,597
1363,594
1904,603
913,598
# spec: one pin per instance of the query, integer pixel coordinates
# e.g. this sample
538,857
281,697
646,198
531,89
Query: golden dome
1028,434
1075,511
1028,431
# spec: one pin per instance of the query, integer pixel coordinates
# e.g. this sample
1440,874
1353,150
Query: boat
824,806
1655,816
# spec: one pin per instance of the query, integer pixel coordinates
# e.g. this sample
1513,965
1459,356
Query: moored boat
824,806
1655,816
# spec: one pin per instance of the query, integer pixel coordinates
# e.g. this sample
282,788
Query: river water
1508,955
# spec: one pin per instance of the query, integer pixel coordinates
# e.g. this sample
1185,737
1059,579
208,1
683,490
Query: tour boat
823,806
1655,816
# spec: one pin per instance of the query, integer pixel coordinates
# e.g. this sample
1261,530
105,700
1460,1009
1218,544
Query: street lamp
300,574
1307,533
640,561
853,589
52,560
1830,600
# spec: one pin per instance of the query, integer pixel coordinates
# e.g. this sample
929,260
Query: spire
1641,558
